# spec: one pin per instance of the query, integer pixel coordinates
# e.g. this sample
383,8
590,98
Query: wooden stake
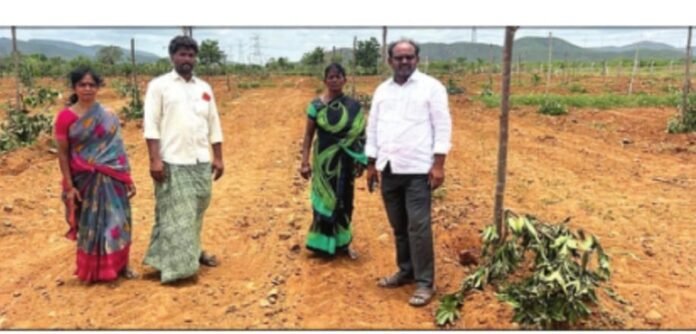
548,71
498,214
687,78
18,81
633,73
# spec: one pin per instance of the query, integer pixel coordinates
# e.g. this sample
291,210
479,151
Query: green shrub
134,109
688,124
561,285
552,108
20,129
249,85
452,88
536,79
486,90
577,88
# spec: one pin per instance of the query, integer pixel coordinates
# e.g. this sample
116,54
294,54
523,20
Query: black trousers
407,200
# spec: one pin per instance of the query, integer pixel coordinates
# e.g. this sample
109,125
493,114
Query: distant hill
528,48
645,45
537,49
67,50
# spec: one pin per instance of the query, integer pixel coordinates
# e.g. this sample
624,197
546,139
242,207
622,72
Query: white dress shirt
408,124
183,116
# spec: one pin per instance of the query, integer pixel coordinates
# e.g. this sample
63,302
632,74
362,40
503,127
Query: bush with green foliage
134,109
248,85
688,123
604,101
452,88
552,108
577,88
559,288
536,79
486,90
41,96
122,88
22,127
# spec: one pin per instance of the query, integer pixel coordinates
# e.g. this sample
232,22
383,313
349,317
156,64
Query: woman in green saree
338,157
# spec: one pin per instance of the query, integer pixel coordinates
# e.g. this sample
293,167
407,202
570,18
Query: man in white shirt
408,136
181,122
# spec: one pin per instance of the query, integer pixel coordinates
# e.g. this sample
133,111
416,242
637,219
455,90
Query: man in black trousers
408,137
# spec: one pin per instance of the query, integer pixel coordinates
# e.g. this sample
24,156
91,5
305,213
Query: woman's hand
359,169
131,190
73,196
305,170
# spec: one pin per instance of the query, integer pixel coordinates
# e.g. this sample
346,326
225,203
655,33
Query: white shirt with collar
183,116
408,124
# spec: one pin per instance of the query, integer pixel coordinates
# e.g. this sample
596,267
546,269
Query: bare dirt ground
616,173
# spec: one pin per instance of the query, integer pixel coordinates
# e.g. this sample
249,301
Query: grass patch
604,101
552,108
248,85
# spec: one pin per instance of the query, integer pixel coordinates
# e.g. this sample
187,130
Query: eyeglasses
402,58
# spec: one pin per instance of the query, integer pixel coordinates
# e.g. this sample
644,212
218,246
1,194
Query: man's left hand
436,177
218,169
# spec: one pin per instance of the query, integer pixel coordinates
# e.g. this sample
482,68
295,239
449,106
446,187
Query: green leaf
530,228
571,243
516,224
447,311
587,244
560,241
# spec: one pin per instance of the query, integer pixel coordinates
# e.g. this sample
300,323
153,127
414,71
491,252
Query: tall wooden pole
687,78
18,81
355,64
385,61
498,215
633,73
548,70
134,75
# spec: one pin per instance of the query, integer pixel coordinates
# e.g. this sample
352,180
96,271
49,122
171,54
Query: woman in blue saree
96,183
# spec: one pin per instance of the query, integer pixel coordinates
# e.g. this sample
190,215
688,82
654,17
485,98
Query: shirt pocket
172,102
418,109
202,108
388,109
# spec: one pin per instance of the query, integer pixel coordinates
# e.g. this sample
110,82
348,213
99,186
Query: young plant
687,123
561,285
552,108
452,88
23,127
536,79
134,109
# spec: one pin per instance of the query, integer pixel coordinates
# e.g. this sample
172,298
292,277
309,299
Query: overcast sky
292,42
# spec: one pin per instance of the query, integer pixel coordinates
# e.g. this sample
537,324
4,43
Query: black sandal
394,281
208,260
127,273
422,296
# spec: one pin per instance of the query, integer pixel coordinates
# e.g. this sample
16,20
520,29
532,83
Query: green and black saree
338,149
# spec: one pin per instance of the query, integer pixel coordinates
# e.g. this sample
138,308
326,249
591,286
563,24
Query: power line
256,56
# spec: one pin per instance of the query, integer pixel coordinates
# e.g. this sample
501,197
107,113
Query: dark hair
78,74
182,42
334,66
392,45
